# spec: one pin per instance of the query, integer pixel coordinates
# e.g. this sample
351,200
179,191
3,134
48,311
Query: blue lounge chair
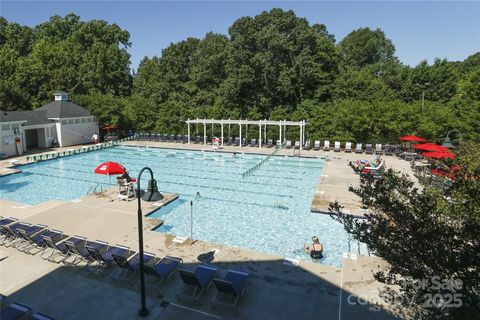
368,148
231,288
16,231
388,150
269,143
80,253
36,241
230,141
16,311
27,234
3,301
127,267
196,282
164,268
41,316
3,231
59,248
253,143
105,258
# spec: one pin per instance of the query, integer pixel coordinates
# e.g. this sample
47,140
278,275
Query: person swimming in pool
198,194
315,249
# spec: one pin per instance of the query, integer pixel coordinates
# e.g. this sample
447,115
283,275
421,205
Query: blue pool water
268,211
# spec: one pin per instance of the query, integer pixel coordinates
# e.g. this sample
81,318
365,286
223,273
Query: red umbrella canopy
412,138
438,155
110,168
108,127
431,147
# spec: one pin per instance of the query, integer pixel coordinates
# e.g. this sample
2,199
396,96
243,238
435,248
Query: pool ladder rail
93,189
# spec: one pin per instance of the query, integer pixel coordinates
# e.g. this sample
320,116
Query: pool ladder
93,189
358,247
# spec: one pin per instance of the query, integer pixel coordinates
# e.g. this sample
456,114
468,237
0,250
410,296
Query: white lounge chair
348,147
359,148
316,146
307,145
297,144
337,146
378,148
288,145
326,145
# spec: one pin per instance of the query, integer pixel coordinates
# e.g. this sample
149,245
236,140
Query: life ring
18,140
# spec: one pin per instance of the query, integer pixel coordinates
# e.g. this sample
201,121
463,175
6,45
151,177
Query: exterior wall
42,138
73,131
10,149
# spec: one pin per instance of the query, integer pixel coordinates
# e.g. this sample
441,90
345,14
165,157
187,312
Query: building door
31,138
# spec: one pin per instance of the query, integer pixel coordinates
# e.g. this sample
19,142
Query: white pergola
282,125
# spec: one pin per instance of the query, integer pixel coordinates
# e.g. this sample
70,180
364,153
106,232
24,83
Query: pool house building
60,121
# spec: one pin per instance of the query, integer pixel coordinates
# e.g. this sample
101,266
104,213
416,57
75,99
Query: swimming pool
267,211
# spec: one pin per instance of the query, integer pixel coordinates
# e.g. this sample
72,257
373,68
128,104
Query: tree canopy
274,65
426,233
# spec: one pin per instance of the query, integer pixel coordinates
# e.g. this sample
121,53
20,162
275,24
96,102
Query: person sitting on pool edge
315,250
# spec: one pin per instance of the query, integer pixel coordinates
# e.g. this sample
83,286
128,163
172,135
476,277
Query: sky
419,30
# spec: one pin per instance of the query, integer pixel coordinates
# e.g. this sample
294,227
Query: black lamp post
150,195
447,142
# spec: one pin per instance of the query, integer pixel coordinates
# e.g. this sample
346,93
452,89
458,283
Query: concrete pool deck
278,291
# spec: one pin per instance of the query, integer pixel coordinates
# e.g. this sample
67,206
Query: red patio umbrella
412,138
438,155
431,147
110,168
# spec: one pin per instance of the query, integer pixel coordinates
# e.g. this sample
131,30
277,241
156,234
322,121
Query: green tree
363,47
63,53
277,59
424,233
